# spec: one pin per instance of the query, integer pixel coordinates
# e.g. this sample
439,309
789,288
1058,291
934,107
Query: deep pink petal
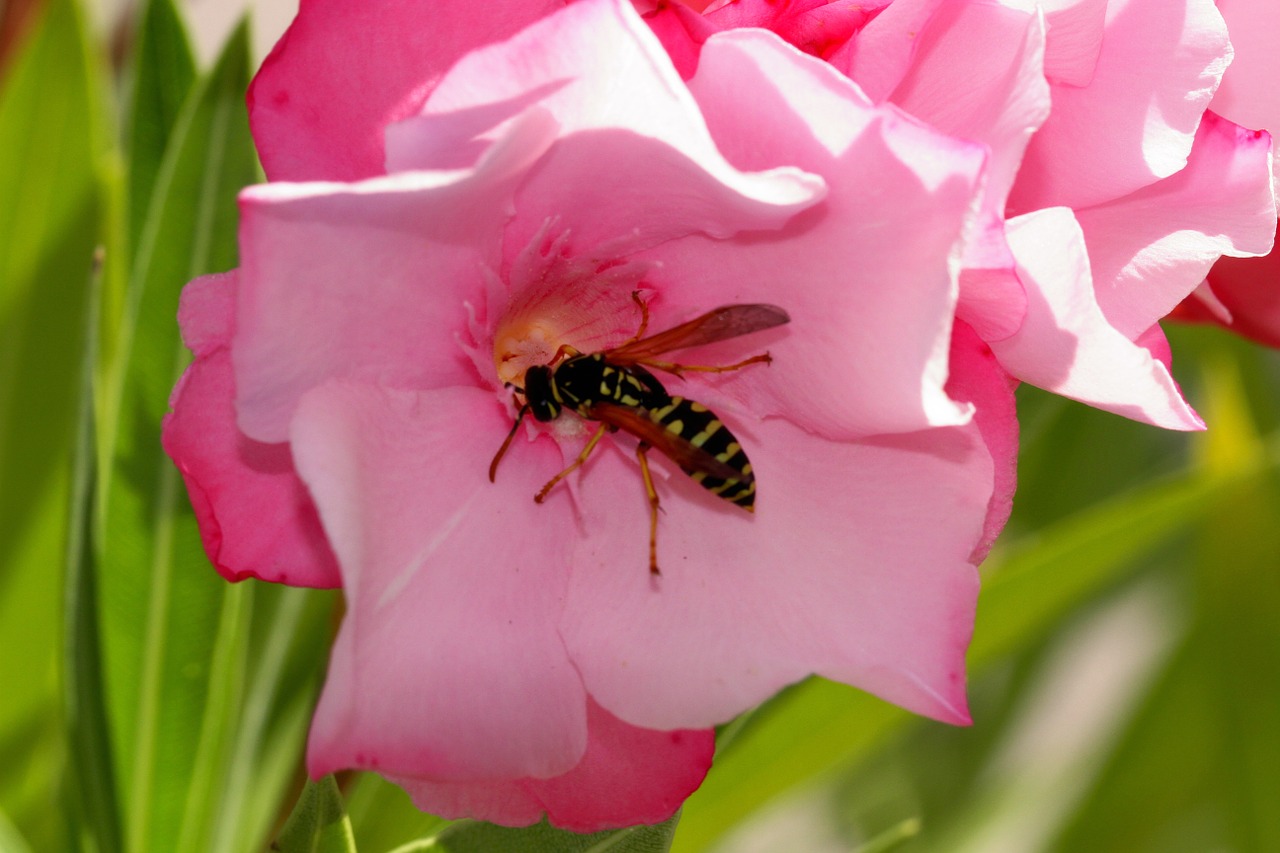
900,195
449,663
628,776
819,579
256,518
978,378
1134,123
1153,248
1066,344
1250,289
347,68
682,30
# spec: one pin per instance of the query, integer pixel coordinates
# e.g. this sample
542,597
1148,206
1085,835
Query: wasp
616,388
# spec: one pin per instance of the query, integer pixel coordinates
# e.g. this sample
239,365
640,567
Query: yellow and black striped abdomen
699,426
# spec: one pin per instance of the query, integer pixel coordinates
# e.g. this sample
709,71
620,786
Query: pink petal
855,566
977,75
347,68
628,776
899,197
449,664
1066,344
1249,95
368,280
884,50
1135,121
256,517
978,378
1075,37
1153,248
604,77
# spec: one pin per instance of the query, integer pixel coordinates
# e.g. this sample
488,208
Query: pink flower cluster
946,197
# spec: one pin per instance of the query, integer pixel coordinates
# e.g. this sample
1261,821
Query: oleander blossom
456,194
1111,188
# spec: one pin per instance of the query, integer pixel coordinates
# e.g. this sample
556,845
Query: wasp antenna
493,466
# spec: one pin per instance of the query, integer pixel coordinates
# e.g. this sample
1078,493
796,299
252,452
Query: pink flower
1110,190
1244,293
503,659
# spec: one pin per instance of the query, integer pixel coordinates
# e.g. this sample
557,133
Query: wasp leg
493,466
582,457
644,320
653,507
677,369
564,352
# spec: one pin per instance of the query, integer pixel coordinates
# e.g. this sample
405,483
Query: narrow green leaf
174,634
475,837
319,822
163,73
51,135
90,778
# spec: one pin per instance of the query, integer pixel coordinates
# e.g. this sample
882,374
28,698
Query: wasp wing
728,321
636,422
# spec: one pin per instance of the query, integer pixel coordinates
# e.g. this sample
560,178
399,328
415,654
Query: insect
616,388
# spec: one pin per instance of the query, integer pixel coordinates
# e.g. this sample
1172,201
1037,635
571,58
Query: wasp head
538,392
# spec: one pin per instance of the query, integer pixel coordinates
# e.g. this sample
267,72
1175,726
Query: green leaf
475,837
52,136
90,780
319,822
163,73
383,816
207,685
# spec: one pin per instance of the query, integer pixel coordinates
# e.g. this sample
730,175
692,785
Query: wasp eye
537,391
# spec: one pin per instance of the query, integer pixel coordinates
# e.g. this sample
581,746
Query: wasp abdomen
700,426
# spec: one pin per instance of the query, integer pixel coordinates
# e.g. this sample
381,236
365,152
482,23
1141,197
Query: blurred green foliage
1125,667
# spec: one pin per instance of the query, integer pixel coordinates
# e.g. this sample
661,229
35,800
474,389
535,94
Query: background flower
1244,294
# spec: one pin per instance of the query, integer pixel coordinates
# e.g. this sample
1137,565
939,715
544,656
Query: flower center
556,297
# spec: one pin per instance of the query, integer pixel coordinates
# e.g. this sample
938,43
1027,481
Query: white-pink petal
1066,344
1134,123
1075,36
1151,249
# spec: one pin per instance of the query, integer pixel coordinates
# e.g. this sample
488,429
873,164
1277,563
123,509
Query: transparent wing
729,321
